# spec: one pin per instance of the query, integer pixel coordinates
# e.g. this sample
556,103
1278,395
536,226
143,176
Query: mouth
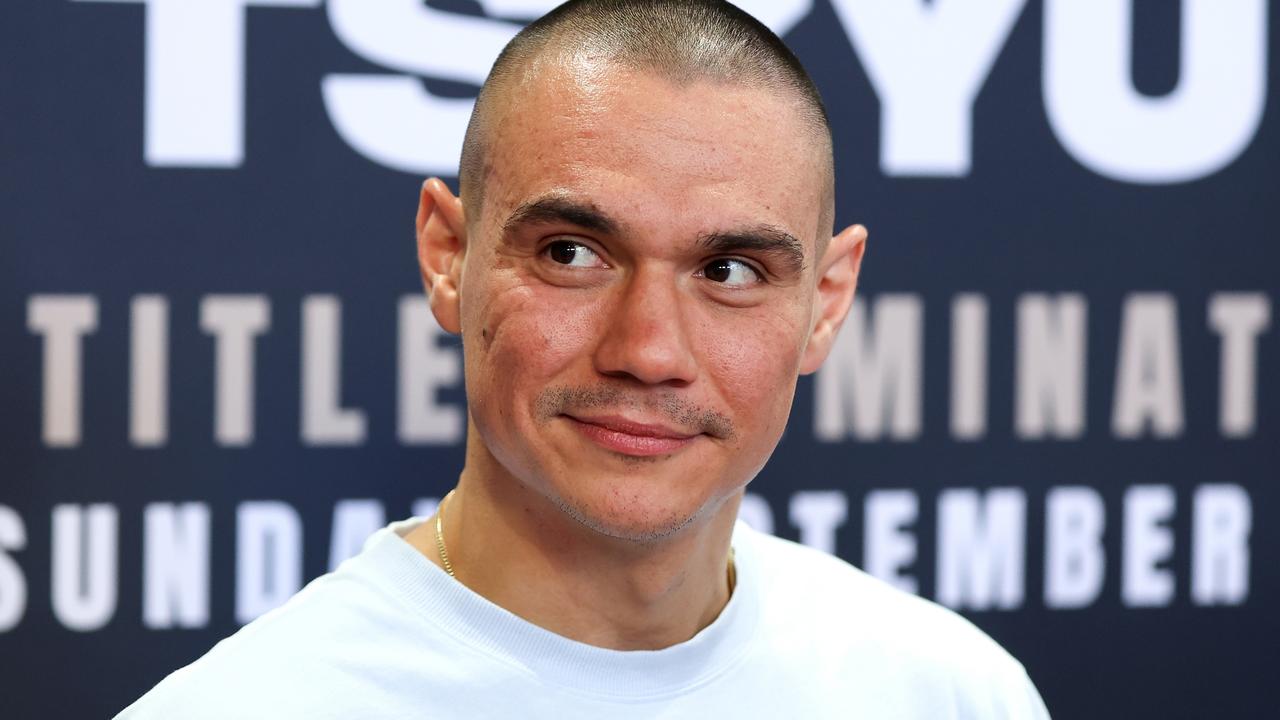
629,437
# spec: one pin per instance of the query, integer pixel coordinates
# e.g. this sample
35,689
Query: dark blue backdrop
1099,494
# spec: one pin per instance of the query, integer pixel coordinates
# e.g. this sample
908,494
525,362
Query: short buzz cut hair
679,40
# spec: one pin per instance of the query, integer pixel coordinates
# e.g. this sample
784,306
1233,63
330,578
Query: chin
620,509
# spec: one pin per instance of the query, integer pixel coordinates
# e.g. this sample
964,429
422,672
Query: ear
837,281
442,245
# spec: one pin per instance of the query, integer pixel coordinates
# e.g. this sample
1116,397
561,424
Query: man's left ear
442,245
837,281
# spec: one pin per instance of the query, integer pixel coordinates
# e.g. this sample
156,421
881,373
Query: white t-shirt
805,635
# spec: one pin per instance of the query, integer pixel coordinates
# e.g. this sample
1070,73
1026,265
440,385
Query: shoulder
300,658
835,593
871,629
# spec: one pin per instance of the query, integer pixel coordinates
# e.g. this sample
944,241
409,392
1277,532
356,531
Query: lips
629,437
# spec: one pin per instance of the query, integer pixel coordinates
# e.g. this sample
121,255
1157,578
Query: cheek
520,338
753,362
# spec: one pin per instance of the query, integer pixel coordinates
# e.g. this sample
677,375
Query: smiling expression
638,290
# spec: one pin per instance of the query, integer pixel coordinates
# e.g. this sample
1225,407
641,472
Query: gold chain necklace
448,566
444,554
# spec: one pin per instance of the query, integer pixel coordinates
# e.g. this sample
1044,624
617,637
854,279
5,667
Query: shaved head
644,240
682,41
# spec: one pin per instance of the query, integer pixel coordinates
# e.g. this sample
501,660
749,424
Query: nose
645,338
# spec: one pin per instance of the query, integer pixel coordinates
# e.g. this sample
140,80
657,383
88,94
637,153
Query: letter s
392,119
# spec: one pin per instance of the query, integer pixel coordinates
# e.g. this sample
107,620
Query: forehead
638,145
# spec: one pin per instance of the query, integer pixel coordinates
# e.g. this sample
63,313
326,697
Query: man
640,266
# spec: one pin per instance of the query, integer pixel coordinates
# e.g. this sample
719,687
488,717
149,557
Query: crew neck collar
473,620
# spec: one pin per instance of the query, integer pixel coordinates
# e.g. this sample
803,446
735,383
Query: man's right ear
442,245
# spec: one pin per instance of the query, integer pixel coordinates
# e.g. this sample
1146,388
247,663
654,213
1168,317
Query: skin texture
645,253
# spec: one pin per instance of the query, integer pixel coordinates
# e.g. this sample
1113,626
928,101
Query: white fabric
805,635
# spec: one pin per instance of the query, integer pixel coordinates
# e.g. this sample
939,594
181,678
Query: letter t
195,80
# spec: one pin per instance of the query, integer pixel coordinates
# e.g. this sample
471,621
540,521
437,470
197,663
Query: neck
520,551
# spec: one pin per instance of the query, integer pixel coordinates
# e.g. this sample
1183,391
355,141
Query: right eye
573,254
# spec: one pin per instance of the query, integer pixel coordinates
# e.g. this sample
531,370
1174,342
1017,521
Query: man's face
638,291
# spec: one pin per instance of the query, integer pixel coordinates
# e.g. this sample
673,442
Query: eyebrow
554,209
765,239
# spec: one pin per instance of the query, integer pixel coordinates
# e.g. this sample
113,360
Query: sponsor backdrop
1054,408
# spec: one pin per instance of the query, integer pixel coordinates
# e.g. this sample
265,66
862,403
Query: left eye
573,254
734,273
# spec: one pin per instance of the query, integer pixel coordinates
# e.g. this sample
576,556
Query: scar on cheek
486,336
